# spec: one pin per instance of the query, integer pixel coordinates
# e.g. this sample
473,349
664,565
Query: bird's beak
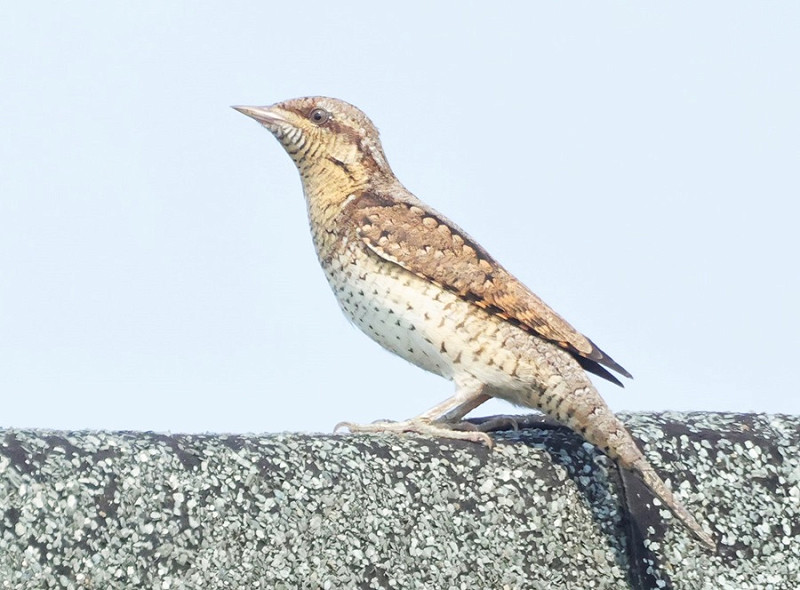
264,115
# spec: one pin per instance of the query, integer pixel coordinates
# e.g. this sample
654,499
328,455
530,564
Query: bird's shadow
568,450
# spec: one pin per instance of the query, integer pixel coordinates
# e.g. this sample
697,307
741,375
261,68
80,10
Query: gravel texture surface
542,509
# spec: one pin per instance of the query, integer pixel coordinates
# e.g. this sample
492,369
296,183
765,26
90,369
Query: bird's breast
419,321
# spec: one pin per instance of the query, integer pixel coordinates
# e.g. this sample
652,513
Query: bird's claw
423,427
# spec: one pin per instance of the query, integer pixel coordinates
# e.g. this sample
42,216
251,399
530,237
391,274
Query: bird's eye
319,116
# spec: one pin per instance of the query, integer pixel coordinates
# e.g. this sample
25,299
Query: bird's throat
328,184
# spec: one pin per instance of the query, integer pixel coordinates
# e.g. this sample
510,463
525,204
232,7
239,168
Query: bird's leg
457,413
455,417
438,420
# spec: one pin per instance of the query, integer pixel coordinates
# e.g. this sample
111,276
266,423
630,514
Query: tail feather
657,485
585,412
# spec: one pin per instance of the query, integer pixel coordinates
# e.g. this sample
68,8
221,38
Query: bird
421,287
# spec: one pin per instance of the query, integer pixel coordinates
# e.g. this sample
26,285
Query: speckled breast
419,321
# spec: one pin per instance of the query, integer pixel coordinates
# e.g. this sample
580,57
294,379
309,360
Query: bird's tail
656,485
585,412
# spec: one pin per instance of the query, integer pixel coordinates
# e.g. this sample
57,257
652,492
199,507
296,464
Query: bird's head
328,139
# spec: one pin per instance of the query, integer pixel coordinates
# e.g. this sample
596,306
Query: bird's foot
425,427
489,424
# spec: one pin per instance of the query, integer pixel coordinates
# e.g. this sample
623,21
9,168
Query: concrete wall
111,510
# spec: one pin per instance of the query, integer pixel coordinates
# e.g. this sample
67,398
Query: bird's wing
422,241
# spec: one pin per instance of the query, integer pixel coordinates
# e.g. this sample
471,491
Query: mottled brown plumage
418,285
434,248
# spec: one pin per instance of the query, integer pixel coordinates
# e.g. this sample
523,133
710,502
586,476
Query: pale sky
636,165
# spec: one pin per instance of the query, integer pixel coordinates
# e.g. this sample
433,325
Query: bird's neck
327,188
328,192
328,183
